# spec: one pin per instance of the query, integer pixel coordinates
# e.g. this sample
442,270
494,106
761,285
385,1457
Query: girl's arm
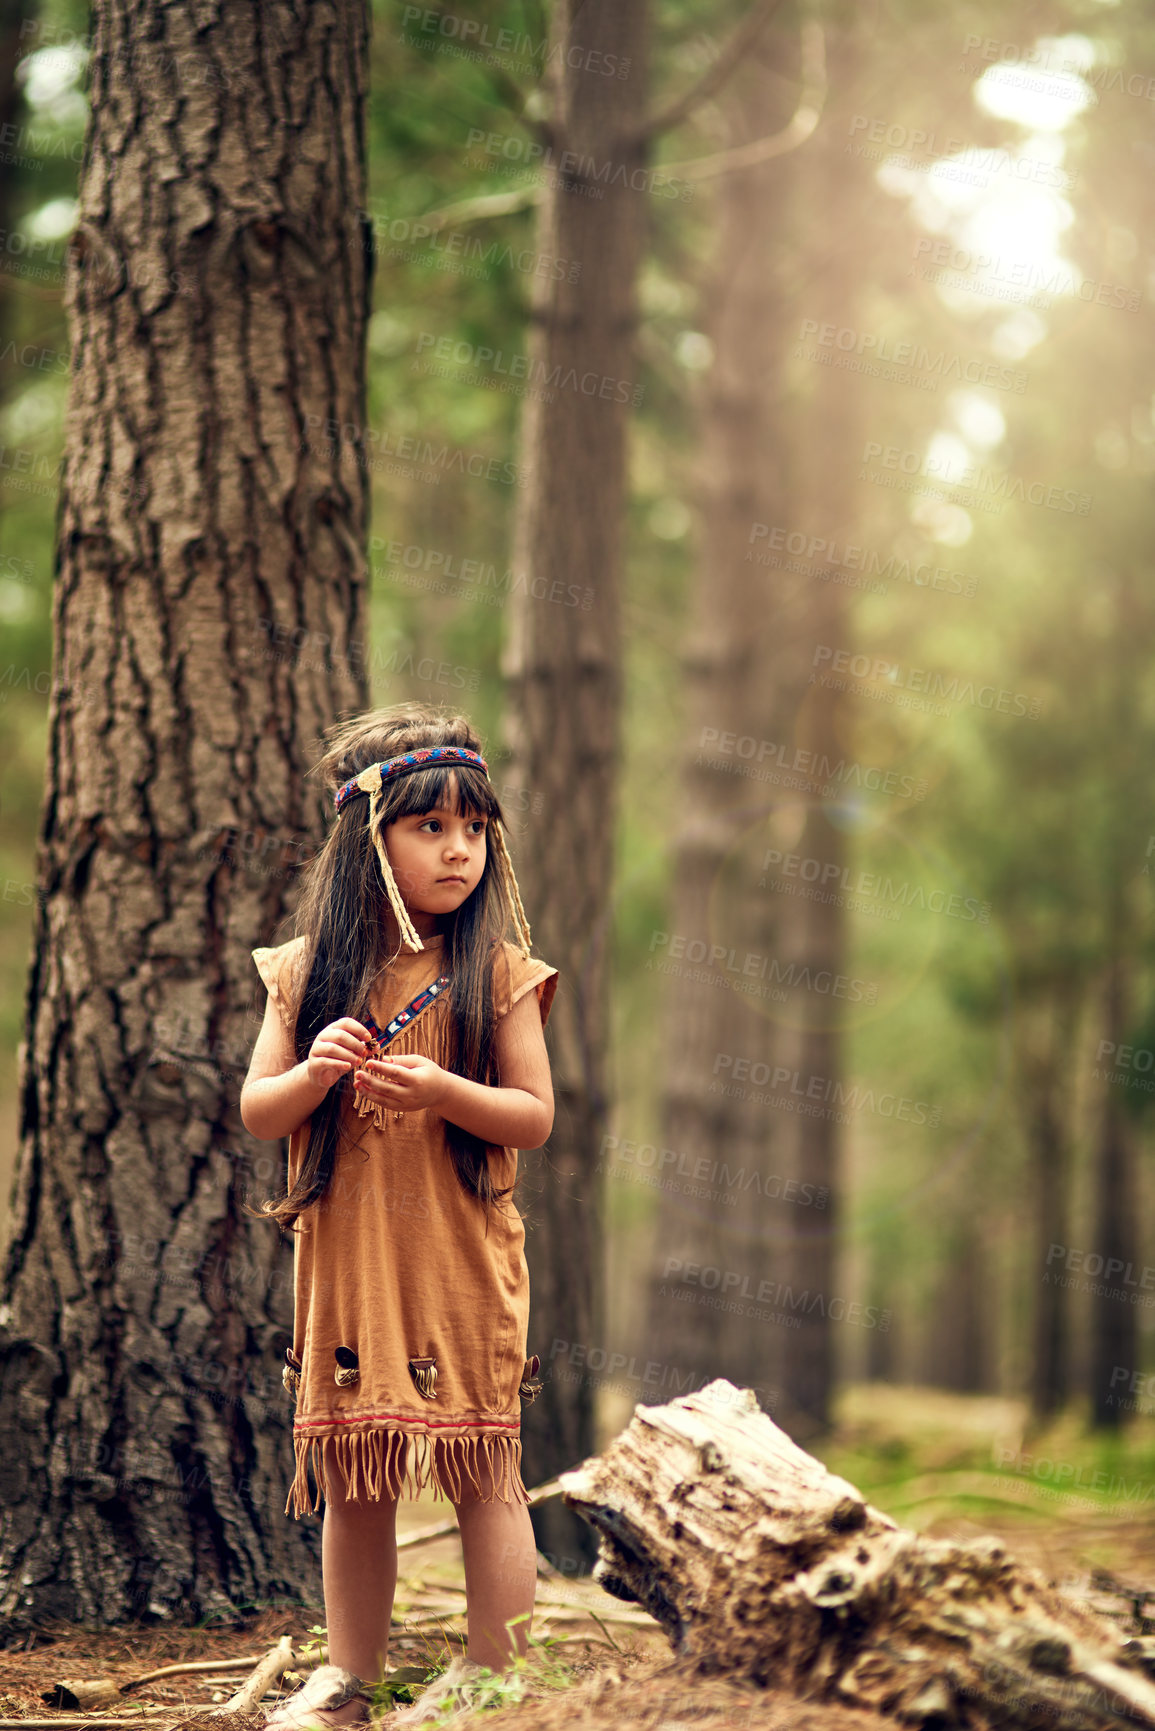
519,1114
278,1094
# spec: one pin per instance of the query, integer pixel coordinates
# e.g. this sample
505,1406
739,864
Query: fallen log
760,1564
87,1693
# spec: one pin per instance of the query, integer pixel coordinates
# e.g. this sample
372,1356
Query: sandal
329,1687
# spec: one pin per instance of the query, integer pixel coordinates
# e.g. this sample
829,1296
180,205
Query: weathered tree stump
759,1563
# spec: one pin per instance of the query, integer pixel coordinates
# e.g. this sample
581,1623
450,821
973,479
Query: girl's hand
337,1049
406,1083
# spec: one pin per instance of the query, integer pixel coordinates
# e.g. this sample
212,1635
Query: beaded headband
372,781
425,758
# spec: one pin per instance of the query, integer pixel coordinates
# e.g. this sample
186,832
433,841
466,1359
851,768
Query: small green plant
401,1687
550,1670
536,1671
317,1645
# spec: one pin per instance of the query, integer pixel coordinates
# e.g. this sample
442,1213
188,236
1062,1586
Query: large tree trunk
758,1563
563,665
209,618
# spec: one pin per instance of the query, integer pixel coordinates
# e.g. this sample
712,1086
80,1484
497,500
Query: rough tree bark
758,1563
209,615
563,664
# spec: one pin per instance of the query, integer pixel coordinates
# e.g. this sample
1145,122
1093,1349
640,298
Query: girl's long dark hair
344,912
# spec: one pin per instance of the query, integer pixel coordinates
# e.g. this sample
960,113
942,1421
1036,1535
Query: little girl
402,1054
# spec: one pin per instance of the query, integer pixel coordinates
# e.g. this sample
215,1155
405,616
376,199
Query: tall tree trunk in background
12,108
13,17
1047,1119
209,614
779,450
1049,1372
563,665
719,1257
832,191
1114,1334
957,1347
813,941
1114,1321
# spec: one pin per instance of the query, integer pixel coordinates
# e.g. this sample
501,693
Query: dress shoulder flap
514,975
278,967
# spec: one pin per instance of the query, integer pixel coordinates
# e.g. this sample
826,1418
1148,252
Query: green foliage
927,1460
539,1671
316,1648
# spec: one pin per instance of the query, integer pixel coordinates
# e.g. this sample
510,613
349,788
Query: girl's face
437,858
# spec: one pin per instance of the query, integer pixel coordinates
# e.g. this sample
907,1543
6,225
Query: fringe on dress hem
379,1462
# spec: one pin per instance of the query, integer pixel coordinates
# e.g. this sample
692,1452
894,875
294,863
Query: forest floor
1079,1506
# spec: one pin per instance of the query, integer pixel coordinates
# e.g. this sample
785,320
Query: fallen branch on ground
270,1670
93,1693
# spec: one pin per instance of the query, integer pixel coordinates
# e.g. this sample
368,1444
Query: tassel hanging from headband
509,884
369,781
372,780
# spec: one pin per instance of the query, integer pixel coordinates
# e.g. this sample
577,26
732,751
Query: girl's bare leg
359,1569
500,1578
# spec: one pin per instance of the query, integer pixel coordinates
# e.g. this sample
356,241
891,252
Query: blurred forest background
893,420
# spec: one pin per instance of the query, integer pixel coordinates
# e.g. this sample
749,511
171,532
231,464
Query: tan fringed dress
410,1319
